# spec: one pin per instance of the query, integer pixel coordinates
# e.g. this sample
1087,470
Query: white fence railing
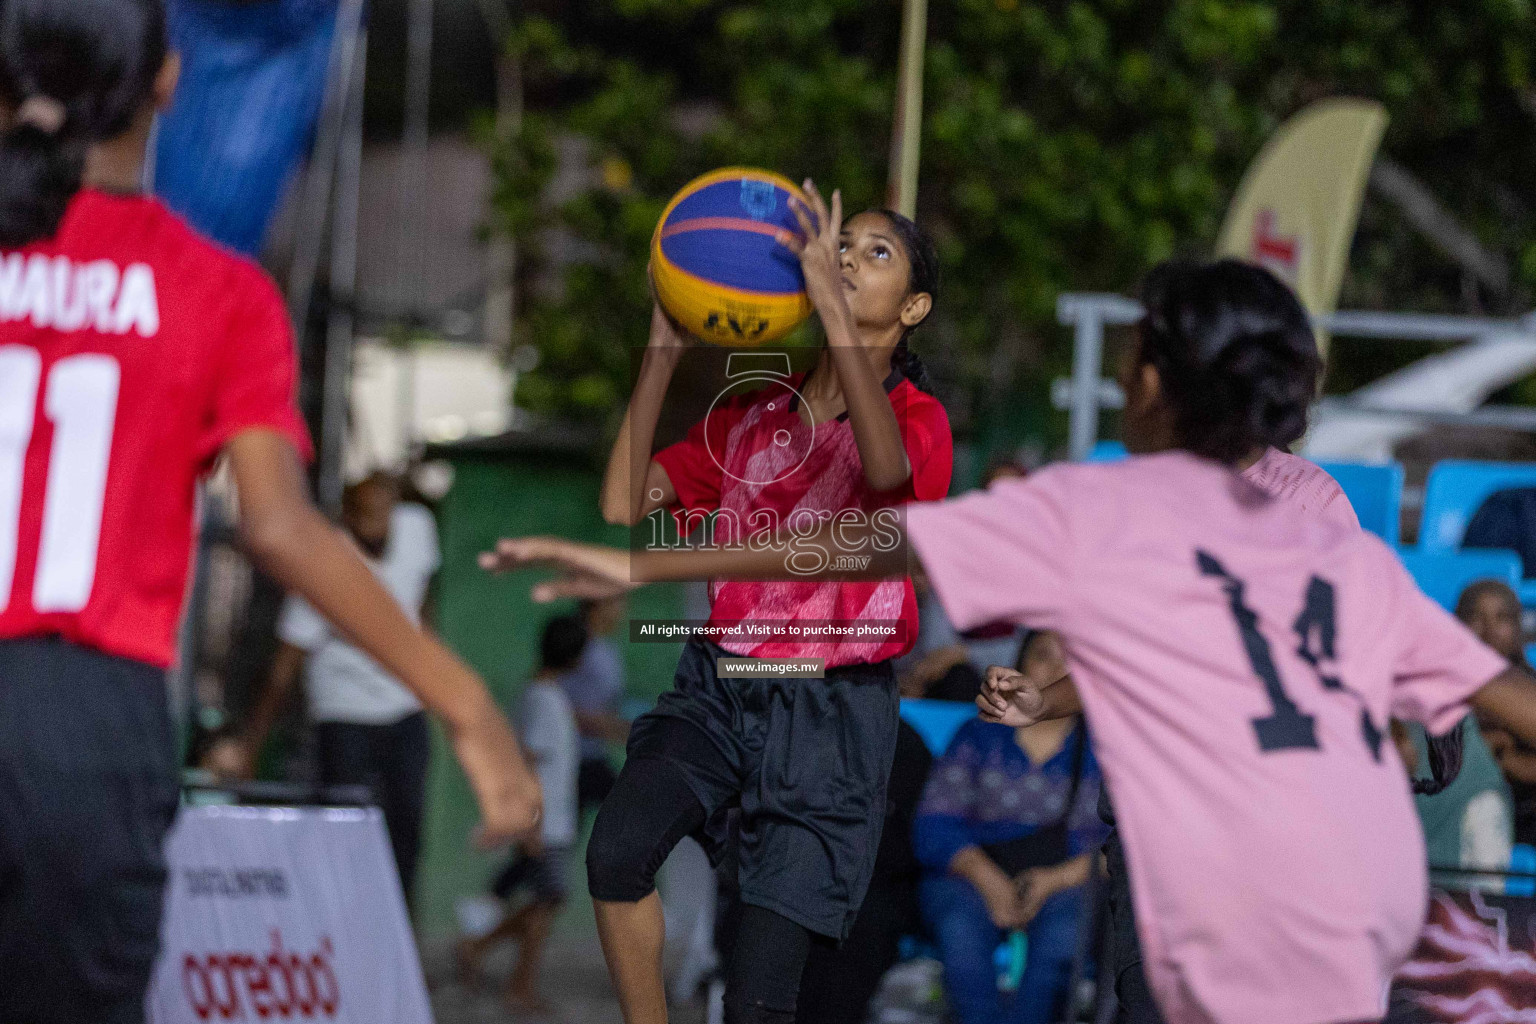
1087,391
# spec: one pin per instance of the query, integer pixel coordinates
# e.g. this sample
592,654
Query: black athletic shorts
1136,1005
88,790
807,762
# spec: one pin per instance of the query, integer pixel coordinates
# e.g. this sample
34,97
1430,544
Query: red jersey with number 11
131,350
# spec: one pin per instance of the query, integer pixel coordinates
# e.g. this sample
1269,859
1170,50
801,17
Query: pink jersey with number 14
1239,645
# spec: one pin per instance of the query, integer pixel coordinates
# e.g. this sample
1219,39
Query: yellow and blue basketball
717,268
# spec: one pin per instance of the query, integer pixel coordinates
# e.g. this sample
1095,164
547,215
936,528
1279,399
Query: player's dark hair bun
1236,353
73,73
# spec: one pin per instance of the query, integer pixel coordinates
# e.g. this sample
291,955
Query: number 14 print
1287,727
80,401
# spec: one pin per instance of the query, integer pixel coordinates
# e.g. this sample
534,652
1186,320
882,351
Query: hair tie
44,113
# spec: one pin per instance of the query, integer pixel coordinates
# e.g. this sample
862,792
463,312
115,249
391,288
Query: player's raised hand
1010,698
819,245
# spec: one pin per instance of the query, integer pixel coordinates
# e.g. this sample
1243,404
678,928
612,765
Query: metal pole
322,165
907,132
343,277
410,196
500,308
1087,364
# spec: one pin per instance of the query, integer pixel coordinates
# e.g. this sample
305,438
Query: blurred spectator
840,981
1492,610
596,689
1469,824
547,728
1006,831
370,729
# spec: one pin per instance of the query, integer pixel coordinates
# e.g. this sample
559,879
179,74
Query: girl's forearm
875,429
973,865
1061,700
1519,766
623,491
1074,872
269,704
876,432
1509,699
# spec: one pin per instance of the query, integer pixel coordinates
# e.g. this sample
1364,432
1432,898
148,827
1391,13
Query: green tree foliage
1067,145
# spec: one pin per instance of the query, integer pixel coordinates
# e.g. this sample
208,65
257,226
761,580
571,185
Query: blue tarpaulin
253,79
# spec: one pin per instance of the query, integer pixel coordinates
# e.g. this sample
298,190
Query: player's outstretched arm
875,430
631,478
1509,701
297,546
593,570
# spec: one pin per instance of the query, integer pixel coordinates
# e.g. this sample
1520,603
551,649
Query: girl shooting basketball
805,759
132,355
1238,663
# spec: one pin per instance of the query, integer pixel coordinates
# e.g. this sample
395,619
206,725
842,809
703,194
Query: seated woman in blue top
1003,850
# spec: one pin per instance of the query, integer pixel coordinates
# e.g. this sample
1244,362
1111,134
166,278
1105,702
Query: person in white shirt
547,727
371,731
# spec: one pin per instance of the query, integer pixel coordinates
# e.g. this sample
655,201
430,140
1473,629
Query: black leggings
391,760
650,808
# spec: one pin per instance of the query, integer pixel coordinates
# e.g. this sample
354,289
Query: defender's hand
590,570
1010,698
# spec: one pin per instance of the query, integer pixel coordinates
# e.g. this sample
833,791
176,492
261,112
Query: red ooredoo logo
282,984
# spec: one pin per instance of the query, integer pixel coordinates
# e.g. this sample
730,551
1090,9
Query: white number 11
81,403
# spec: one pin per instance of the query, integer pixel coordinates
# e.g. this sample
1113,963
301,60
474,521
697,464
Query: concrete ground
575,984
575,980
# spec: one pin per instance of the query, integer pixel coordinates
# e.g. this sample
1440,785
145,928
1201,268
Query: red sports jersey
131,350
762,468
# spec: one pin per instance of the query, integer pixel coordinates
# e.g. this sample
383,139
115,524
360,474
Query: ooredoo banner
285,914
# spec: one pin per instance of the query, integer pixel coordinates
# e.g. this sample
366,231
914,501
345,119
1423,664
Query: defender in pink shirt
1238,661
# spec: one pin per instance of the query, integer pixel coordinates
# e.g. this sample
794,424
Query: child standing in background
547,725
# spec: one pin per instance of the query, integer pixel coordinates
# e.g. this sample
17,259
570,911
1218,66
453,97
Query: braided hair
1444,762
924,261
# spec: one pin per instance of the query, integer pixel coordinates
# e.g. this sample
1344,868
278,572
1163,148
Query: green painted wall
492,624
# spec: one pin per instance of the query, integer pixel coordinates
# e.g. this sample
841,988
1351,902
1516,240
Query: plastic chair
1522,866
1108,451
1443,576
1375,491
936,721
1456,490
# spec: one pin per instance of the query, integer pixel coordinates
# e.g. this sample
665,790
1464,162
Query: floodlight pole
907,130
341,322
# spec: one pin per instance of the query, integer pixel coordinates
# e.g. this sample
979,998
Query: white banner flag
276,913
